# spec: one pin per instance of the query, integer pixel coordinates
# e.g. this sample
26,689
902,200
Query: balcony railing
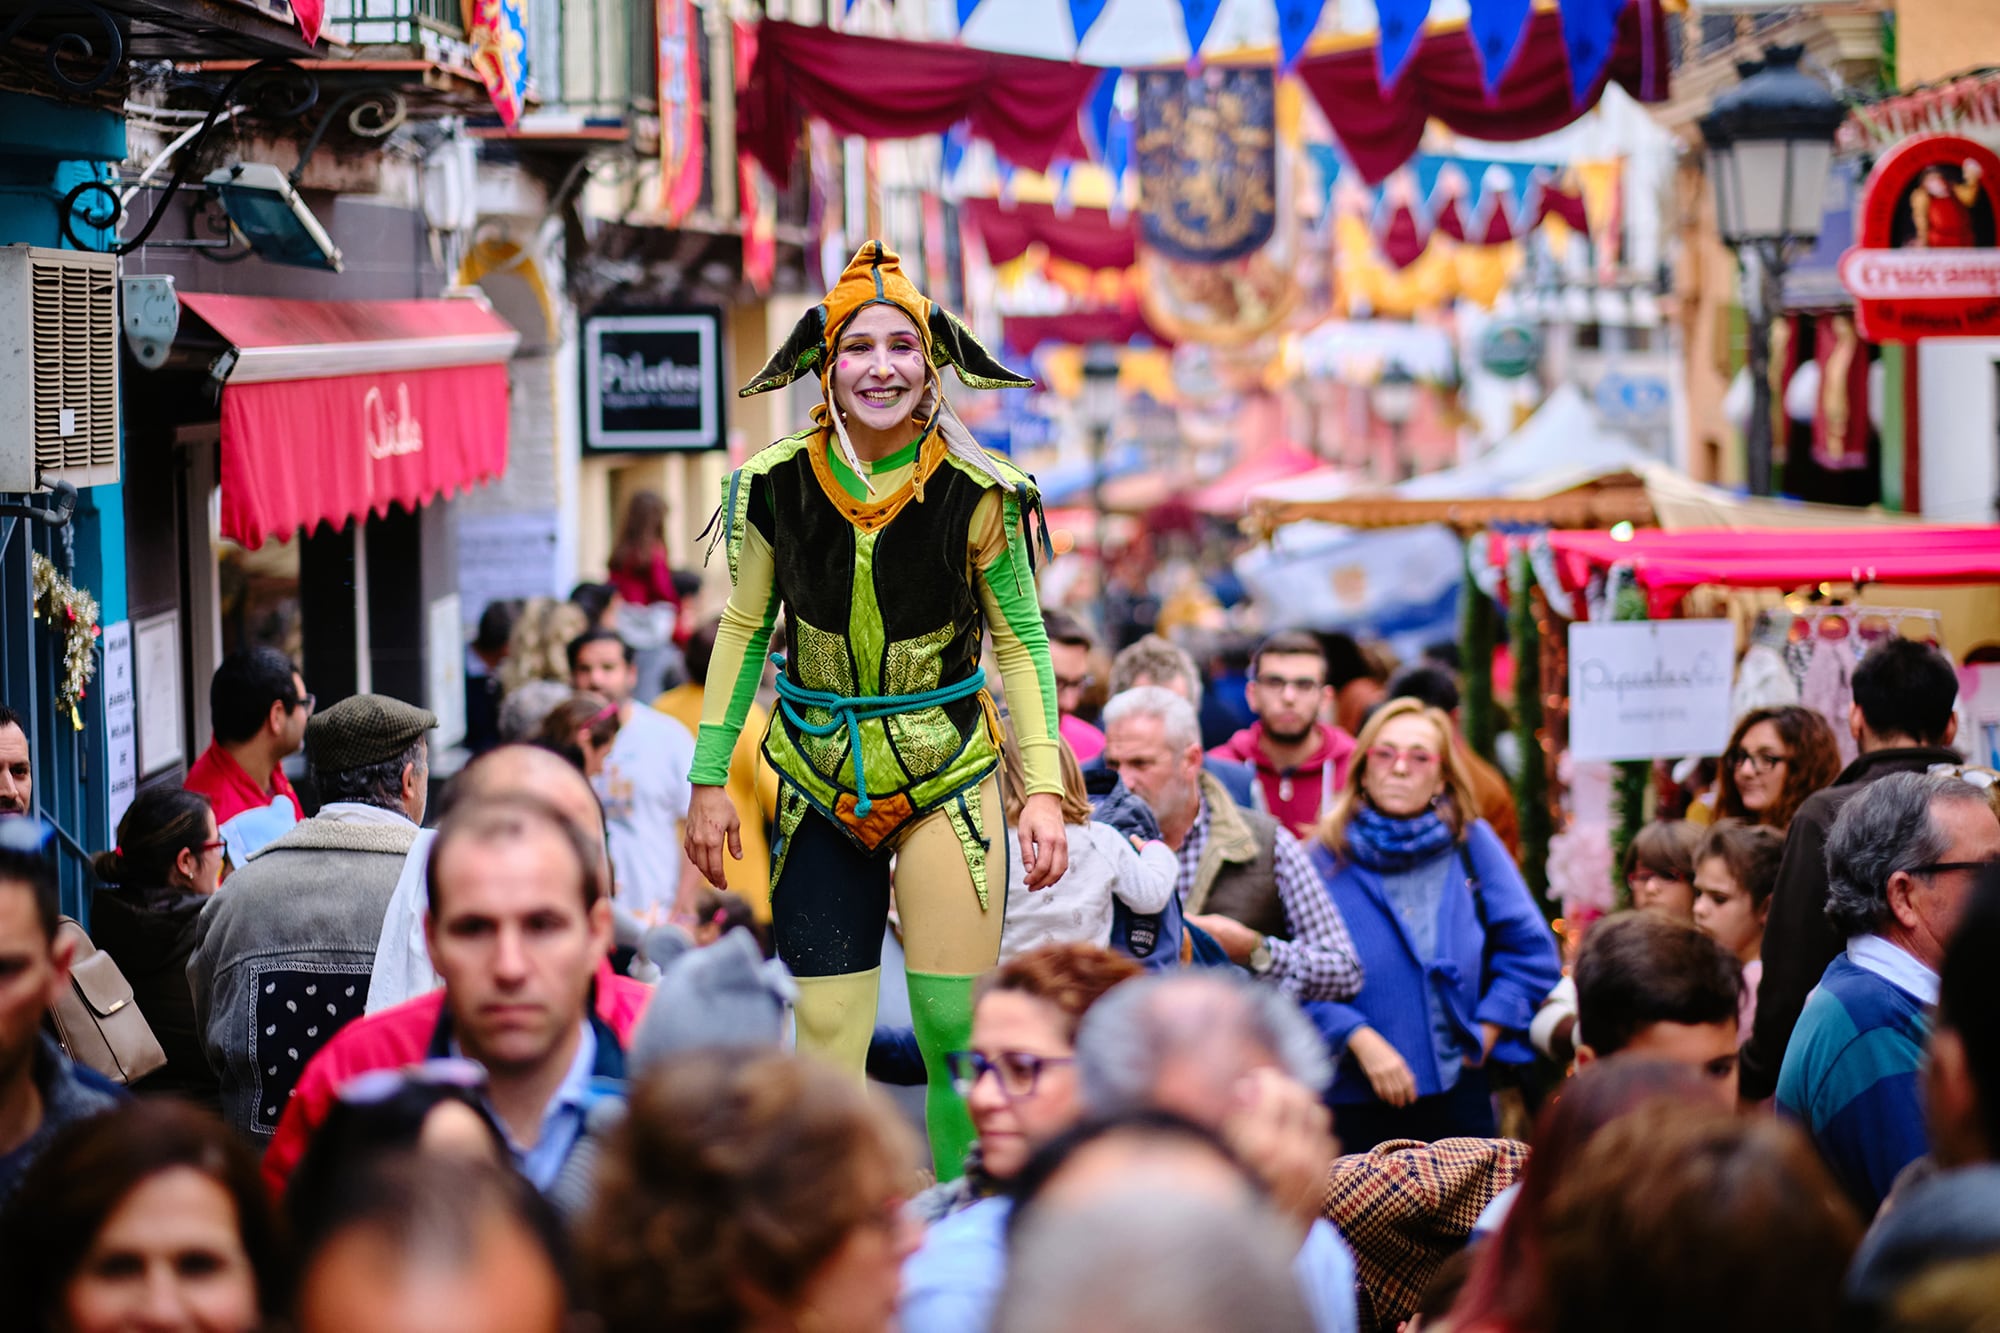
395,22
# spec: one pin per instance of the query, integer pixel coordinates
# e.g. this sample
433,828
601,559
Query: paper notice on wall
501,556
1650,689
445,656
156,676
121,723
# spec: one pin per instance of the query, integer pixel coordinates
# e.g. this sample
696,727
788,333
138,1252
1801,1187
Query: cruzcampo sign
1927,264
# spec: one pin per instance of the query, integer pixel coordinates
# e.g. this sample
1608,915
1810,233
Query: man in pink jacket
1301,762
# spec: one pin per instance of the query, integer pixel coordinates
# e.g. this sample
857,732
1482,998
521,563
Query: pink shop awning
338,409
1669,564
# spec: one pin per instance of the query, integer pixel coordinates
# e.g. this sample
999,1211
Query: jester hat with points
875,277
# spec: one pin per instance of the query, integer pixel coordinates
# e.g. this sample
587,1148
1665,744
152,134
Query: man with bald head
517,925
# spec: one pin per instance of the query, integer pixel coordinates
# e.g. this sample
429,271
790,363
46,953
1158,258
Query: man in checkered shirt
1243,879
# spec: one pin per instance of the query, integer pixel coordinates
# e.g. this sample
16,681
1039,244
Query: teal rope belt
851,711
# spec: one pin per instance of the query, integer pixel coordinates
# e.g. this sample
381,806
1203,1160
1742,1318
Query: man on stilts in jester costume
893,542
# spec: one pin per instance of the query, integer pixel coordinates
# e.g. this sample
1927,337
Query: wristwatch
1260,957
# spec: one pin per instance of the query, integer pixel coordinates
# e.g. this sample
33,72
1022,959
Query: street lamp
1770,147
1098,407
1394,400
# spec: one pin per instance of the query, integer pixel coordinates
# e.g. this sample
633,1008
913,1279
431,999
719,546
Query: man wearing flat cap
283,953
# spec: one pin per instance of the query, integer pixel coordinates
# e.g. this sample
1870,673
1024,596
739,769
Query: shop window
260,597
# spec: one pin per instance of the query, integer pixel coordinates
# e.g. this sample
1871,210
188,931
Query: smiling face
1405,766
1012,1119
1761,767
878,370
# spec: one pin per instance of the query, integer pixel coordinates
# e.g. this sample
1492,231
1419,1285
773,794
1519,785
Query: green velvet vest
890,612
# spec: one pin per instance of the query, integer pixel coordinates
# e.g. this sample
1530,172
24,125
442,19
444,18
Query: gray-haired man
1243,879
1902,860
1239,1059
282,957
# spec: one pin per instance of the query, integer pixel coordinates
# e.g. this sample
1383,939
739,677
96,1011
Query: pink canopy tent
1226,496
1669,564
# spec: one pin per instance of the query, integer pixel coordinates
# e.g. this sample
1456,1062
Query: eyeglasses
1759,762
212,845
1082,682
1289,684
379,1085
1939,867
1018,1071
1639,879
25,834
309,701
1388,756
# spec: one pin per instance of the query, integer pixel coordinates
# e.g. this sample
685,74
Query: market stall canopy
334,410
1669,564
1560,449
1225,496
1086,236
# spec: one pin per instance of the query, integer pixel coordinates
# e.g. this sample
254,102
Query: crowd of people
1219,1025
1300,1135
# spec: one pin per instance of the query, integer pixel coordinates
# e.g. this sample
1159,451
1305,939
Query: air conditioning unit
58,368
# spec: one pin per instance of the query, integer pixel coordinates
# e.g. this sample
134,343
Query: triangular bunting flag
1297,20
1199,16
1497,27
1450,219
953,151
965,8
1097,113
1084,13
1590,30
1402,240
1402,24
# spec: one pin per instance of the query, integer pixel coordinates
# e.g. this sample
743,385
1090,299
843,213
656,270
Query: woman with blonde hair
538,648
1456,953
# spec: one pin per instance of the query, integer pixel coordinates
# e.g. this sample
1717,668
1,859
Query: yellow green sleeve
740,644
1020,643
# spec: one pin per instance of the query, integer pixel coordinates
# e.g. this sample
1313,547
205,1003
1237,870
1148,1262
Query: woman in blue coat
1455,951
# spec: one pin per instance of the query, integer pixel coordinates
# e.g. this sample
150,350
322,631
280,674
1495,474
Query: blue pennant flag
953,151
1082,14
1402,25
1297,19
1497,27
965,8
1097,112
1199,15
1590,30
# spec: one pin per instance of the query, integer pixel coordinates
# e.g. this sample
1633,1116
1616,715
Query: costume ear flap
953,342
802,350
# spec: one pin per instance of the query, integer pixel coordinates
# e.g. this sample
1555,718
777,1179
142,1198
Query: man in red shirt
259,706
1301,762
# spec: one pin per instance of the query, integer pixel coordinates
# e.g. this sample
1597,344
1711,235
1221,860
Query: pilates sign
1650,689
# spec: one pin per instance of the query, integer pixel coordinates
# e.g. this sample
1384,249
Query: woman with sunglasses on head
581,729
437,1107
1019,1082
1775,759
152,886
1456,953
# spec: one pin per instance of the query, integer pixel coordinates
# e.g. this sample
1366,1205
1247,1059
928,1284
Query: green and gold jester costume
885,739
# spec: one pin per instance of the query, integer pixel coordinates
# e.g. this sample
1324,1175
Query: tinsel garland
1476,631
72,613
1628,784
1531,783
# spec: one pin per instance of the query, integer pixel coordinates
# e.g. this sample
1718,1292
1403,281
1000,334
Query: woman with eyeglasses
1659,868
1455,952
152,886
1775,759
1019,1083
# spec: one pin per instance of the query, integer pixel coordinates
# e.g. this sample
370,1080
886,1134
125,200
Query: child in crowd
1735,872
1103,862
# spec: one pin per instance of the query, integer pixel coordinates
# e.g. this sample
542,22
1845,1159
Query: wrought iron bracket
69,46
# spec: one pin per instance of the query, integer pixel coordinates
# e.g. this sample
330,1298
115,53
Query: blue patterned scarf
1388,845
